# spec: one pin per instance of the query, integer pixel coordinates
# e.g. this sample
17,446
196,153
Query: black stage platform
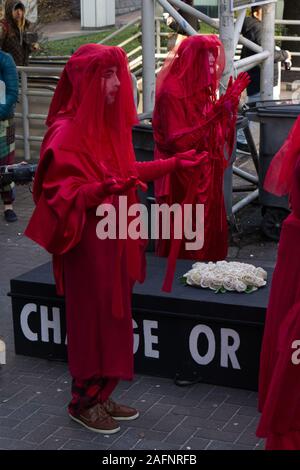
191,334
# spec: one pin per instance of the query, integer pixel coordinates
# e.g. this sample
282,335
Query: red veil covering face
187,116
279,179
87,142
193,69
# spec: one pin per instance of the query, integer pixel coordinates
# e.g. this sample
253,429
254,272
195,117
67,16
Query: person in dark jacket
252,30
16,33
9,86
189,18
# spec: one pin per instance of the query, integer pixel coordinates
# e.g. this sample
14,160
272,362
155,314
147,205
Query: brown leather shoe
120,412
97,419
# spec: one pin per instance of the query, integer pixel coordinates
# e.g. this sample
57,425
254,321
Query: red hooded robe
279,378
188,116
87,143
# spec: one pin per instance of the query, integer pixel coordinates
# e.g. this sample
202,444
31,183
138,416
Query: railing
290,38
135,62
25,93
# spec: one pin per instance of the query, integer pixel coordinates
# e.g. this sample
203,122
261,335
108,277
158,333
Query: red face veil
95,92
279,179
193,69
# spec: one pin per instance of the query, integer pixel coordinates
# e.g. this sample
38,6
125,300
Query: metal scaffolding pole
251,61
227,37
177,17
148,43
214,23
238,26
267,68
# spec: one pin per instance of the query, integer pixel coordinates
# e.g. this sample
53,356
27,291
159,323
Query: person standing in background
16,33
252,30
180,32
9,95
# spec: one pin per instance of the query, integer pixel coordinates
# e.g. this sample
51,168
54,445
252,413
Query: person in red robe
187,116
279,377
87,159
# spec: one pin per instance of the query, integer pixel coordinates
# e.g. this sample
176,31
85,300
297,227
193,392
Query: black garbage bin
143,143
276,119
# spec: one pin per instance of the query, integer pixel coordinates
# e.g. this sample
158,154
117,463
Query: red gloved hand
190,159
242,81
230,100
119,185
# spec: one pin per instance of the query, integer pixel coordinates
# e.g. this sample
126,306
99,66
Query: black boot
10,215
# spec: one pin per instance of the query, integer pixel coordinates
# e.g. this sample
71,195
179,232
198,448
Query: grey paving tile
220,445
52,443
8,423
126,441
73,444
81,433
6,411
238,424
248,438
196,443
6,443
155,445
108,440
248,411
41,433
32,422
11,433
25,411
178,401
192,411
169,422
215,435
53,410
152,416
145,402
224,412
23,445
181,434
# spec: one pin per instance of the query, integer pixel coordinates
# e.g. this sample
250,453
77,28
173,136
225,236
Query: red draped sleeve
150,171
61,206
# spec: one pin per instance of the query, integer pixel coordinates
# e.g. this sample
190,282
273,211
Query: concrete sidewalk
72,28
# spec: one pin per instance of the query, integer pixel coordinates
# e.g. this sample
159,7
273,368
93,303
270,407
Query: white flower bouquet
226,276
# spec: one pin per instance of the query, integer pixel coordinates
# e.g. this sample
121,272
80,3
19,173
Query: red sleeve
93,194
63,192
171,131
169,119
149,171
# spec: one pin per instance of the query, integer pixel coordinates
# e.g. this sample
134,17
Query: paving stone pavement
34,392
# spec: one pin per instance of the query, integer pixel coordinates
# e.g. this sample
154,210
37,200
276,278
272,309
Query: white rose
229,283
240,286
205,281
260,272
196,277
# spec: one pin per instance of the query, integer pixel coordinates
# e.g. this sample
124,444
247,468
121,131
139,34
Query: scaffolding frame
230,35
